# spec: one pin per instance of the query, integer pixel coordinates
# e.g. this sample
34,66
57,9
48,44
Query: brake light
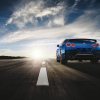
70,45
95,45
73,45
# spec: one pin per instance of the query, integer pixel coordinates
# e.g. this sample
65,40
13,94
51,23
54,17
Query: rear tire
63,61
57,60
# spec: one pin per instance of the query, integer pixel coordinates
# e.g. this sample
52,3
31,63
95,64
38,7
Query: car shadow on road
86,67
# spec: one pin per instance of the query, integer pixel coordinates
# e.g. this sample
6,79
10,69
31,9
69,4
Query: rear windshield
82,41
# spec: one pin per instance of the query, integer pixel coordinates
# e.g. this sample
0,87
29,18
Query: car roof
79,39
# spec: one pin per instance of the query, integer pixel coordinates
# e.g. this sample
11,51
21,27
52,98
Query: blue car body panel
83,49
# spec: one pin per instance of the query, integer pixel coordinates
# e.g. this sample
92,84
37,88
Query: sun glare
37,54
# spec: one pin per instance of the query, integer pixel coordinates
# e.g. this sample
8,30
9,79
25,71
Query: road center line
42,78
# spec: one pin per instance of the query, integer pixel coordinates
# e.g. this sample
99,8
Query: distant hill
11,57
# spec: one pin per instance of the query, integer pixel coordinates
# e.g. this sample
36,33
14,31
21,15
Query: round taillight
73,45
68,44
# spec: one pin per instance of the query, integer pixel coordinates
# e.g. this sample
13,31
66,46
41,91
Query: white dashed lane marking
43,78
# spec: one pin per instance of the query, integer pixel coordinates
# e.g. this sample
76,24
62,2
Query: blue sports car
78,49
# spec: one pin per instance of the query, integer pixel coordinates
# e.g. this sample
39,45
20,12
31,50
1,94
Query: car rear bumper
77,55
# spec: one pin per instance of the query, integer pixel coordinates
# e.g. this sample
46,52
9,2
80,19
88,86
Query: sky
30,25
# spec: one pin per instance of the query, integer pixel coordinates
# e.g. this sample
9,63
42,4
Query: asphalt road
74,81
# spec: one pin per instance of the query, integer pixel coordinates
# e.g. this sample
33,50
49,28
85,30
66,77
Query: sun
37,54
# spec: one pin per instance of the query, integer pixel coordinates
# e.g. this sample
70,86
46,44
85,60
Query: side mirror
58,45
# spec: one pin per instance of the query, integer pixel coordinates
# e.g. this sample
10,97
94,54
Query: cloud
48,26
84,26
42,33
76,3
35,11
7,52
87,22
